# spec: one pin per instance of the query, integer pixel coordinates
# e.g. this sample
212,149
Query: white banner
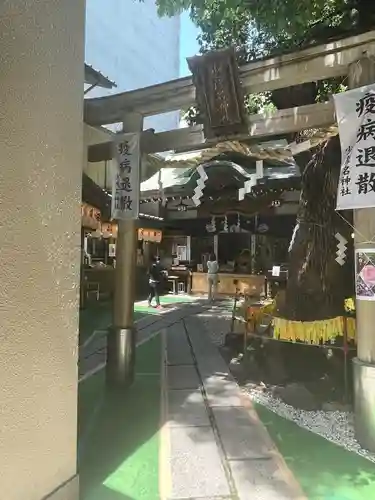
126,176
355,113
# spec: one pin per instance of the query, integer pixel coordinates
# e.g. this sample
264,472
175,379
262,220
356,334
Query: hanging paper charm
201,183
225,228
341,249
247,187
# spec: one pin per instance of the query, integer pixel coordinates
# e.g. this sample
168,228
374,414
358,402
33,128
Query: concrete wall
41,83
129,43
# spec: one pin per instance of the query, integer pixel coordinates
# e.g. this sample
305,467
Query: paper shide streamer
247,187
341,249
225,226
251,181
201,184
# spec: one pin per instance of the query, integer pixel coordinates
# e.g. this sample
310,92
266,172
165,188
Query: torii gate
334,59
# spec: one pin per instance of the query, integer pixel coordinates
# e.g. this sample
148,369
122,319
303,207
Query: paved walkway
185,430
218,447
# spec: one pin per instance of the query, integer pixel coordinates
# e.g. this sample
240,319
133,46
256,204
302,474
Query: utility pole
121,341
363,73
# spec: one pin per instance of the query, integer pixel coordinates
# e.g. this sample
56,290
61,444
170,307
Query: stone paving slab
184,312
212,430
221,392
210,364
213,365
208,357
196,467
187,408
241,439
261,480
239,416
178,348
183,377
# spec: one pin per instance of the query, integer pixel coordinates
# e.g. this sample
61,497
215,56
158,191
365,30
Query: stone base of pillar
67,491
364,405
120,357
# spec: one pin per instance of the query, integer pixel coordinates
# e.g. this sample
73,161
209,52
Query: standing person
212,278
155,274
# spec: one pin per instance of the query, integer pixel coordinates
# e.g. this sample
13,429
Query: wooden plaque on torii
219,94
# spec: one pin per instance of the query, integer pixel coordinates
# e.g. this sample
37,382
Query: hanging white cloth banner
126,176
355,113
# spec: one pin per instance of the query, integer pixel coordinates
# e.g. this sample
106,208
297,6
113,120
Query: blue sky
188,42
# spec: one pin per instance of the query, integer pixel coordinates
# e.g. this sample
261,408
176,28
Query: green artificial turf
324,470
119,434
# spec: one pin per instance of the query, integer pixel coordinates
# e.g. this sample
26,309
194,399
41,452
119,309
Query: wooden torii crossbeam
316,63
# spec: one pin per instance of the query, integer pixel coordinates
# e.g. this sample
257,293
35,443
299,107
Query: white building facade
129,43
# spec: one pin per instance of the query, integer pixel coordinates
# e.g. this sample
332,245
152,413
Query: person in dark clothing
155,275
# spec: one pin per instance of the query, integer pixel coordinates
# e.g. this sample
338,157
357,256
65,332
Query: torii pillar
121,339
363,73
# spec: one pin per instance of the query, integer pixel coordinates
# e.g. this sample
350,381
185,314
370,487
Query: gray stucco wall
41,81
